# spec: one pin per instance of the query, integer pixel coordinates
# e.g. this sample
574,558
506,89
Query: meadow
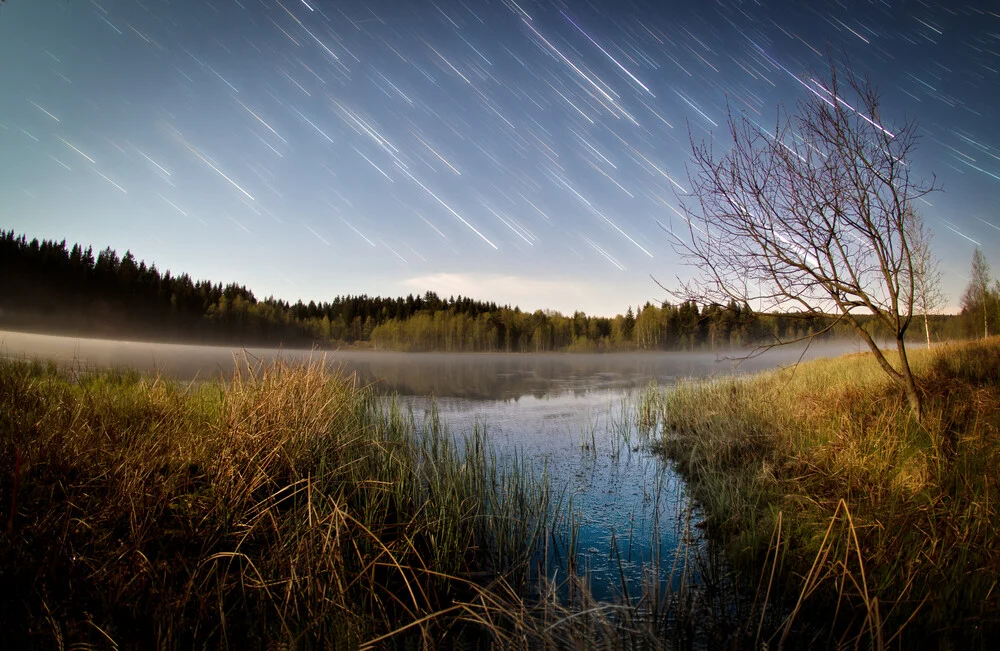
288,505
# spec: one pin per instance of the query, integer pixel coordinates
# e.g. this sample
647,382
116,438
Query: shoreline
722,351
128,421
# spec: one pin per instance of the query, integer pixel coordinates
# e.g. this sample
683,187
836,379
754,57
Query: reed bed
289,507
852,522
284,507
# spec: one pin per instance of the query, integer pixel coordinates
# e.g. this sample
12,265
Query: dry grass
283,507
288,507
825,491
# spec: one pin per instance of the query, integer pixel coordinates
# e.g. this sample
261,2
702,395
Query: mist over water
570,416
473,376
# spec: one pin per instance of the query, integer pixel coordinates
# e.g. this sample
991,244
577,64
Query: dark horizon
70,290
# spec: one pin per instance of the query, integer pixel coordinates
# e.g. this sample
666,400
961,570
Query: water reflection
623,508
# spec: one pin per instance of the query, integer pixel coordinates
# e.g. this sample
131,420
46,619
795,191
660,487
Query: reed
284,506
290,506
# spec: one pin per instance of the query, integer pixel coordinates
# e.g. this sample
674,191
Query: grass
830,499
283,507
290,507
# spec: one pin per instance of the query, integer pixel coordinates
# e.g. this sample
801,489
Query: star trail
517,151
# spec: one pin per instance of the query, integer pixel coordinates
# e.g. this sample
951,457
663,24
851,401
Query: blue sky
523,152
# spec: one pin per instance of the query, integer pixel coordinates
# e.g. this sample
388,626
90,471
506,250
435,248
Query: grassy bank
285,506
835,504
289,507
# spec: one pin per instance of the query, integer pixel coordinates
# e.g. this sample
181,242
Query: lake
569,416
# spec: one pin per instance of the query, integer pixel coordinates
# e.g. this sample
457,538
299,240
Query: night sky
523,152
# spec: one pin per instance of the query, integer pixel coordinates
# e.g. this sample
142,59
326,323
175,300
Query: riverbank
290,506
287,503
830,499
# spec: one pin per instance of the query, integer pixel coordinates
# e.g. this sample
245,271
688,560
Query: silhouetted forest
46,286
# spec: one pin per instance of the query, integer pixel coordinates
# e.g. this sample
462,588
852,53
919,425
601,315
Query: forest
47,286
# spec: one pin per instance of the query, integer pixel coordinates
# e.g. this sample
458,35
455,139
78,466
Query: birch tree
928,296
977,295
812,218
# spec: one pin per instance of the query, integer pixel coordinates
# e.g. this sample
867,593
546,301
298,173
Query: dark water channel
569,416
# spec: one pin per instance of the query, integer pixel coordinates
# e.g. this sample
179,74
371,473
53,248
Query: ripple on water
629,505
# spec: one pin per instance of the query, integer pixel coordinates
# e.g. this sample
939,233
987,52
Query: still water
569,416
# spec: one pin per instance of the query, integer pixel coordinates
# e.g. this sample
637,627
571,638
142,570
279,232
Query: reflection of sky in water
613,484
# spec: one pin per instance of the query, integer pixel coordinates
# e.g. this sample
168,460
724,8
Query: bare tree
928,296
977,294
812,218
995,296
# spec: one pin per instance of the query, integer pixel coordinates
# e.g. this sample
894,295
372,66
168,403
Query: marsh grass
291,507
856,523
286,506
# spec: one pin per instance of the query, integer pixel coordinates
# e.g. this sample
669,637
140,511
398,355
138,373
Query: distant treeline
47,286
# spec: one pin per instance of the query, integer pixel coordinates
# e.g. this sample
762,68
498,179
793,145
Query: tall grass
833,501
285,506
290,507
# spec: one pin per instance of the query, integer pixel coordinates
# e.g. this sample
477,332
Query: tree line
49,286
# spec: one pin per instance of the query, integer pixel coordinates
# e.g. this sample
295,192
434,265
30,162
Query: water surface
475,376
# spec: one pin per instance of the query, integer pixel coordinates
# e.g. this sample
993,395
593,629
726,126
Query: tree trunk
908,383
903,376
927,331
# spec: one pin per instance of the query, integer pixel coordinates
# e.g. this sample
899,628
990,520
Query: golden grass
796,450
288,507
282,507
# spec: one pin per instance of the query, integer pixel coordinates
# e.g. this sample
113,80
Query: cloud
561,294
